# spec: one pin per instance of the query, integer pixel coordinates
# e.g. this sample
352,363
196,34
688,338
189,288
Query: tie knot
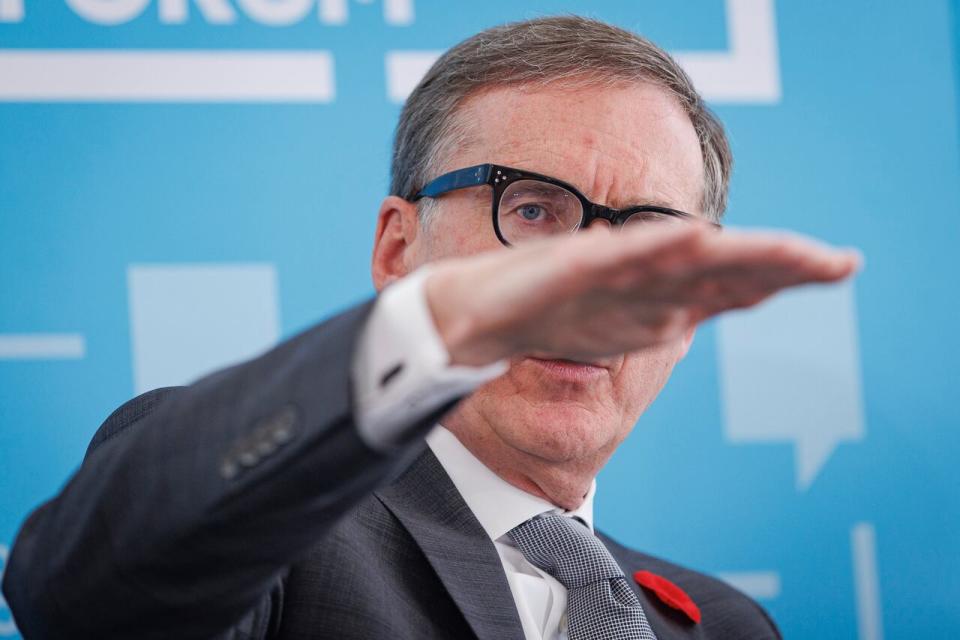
566,549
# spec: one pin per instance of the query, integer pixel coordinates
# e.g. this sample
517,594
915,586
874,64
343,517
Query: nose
600,222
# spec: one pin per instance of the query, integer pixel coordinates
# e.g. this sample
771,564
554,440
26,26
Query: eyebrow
632,201
629,203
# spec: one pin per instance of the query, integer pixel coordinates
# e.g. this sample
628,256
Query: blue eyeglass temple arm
459,179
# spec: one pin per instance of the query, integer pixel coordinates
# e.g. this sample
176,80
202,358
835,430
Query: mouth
569,370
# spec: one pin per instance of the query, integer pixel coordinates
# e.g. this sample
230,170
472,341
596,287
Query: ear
397,241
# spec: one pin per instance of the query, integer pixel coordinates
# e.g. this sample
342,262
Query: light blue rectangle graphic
42,346
863,540
761,585
186,320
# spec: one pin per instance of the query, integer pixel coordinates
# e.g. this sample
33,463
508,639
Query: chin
557,431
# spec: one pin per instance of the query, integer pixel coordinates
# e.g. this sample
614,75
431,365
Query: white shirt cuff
401,369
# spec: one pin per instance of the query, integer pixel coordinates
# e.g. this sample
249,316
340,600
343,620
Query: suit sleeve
191,502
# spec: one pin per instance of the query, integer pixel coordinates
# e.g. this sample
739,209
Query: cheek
642,377
464,241
460,231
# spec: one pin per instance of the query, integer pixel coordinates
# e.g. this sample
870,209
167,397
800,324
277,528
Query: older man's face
619,146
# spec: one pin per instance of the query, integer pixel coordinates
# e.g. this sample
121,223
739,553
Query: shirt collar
497,504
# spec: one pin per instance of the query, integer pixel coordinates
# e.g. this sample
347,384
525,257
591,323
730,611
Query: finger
782,271
737,289
659,271
772,250
746,277
775,257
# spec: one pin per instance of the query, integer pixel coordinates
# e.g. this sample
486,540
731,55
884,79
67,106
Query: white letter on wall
276,12
398,12
214,11
11,10
108,12
333,11
395,12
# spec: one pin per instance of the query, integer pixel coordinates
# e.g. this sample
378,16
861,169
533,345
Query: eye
531,212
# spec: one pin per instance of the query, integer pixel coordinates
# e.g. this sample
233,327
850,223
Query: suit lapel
427,503
429,506
667,623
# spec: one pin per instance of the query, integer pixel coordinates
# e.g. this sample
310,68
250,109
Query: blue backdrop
234,186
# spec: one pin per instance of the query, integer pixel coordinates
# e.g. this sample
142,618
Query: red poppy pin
669,593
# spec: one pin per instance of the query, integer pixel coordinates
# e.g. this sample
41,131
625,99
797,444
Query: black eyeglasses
529,206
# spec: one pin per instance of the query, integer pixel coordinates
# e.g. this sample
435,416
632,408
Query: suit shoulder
727,612
128,414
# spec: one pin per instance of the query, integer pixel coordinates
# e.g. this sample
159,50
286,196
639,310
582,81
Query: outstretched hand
597,293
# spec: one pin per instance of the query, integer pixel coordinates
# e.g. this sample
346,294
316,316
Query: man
292,497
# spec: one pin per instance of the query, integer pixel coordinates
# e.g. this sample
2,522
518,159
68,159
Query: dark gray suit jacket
245,506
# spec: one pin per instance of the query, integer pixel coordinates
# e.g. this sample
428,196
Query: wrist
457,321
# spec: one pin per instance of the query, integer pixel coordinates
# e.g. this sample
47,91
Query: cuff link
391,374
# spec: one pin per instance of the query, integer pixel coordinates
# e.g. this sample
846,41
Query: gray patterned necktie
600,602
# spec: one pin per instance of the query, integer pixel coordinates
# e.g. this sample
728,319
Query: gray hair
568,49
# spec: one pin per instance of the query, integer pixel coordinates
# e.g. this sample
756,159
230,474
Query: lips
570,363
605,363
568,370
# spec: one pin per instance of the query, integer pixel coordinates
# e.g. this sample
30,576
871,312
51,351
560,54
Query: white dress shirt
401,372
499,506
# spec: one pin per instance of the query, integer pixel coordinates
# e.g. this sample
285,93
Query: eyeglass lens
531,210
652,217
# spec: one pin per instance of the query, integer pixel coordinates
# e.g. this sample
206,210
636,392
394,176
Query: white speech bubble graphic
790,373
7,627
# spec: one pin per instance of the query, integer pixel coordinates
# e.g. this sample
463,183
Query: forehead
621,145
